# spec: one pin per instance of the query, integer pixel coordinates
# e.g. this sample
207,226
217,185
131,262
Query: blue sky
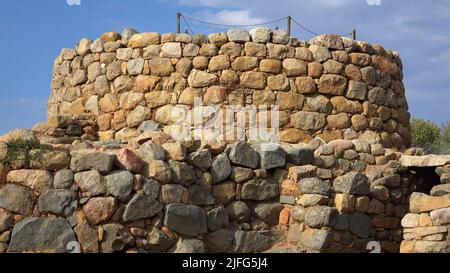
34,31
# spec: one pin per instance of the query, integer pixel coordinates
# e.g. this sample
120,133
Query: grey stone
285,199
113,70
271,155
97,46
87,237
200,159
79,77
200,195
377,95
135,66
220,168
151,187
260,189
360,224
238,211
279,36
185,219
238,35
158,241
124,54
16,198
115,238
182,173
440,190
217,218
58,201
41,235
120,184
140,207
316,239
6,220
127,33
353,183
343,222
308,121
320,216
260,35
242,153
219,241
173,193
149,125
356,90
268,212
150,151
187,245
440,216
320,53
314,185
240,174
255,241
91,183
298,213
298,154
83,161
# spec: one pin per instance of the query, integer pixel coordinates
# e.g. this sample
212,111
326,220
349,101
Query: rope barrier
227,25
187,24
295,22
186,18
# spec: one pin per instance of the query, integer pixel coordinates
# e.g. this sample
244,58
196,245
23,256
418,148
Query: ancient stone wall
167,196
332,87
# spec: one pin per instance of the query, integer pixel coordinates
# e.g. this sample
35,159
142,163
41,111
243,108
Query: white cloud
233,17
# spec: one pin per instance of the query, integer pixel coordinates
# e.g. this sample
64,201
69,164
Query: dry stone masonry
331,87
112,175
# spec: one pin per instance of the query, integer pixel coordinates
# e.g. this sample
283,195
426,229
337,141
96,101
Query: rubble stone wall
166,196
332,87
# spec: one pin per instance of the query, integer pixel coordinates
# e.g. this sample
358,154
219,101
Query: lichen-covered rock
185,219
220,168
353,182
99,209
49,235
255,241
120,184
84,160
16,199
141,207
314,185
242,153
260,189
58,201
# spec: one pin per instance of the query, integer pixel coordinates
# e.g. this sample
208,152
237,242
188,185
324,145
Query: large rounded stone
220,168
185,219
242,153
141,207
260,189
47,235
120,184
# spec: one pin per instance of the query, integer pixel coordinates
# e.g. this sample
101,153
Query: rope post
289,18
178,22
354,34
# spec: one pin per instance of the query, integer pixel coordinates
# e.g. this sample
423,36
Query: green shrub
425,134
18,152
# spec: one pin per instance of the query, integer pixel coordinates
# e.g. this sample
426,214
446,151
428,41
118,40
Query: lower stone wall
164,196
